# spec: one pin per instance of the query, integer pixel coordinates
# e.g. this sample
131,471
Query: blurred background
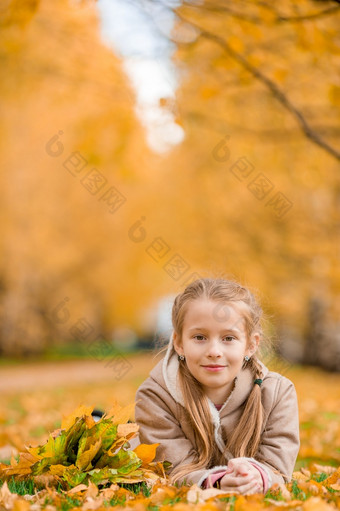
145,143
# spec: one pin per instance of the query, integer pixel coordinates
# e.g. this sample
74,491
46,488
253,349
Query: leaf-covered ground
29,413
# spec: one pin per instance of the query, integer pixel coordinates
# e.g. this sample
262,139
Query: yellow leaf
267,15
84,460
68,420
333,478
119,414
31,456
306,472
319,469
280,75
21,505
284,491
312,487
299,476
20,471
236,44
89,421
150,474
46,480
6,496
146,452
255,60
334,94
92,490
108,493
21,467
78,488
118,443
57,470
316,504
197,495
124,430
208,92
34,452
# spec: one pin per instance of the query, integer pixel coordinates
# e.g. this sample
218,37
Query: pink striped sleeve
264,476
212,478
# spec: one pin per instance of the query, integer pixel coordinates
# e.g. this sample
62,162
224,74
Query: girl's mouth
213,368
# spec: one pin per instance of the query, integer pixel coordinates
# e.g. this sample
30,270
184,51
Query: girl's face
214,343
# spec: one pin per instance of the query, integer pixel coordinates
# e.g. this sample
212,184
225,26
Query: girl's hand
242,477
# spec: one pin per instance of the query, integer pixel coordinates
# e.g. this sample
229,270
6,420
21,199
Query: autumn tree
257,177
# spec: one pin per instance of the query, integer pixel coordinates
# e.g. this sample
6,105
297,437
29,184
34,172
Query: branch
254,19
274,89
307,17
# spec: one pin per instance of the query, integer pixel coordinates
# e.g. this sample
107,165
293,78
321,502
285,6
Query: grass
25,487
319,478
305,462
297,492
70,351
28,487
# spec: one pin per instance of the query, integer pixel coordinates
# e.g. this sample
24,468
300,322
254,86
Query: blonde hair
245,438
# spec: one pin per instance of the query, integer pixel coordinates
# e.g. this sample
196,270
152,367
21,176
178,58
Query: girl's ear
177,343
254,344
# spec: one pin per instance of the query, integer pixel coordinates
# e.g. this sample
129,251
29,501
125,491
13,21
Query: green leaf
125,461
82,442
73,434
54,446
102,476
73,476
43,465
106,431
84,459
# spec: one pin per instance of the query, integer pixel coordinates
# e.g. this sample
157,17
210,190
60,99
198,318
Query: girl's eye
201,337
197,337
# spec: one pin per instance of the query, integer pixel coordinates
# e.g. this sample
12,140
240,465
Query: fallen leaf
119,414
46,480
197,494
333,478
306,472
21,505
77,489
92,490
316,504
126,429
6,497
69,420
319,469
299,476
146,452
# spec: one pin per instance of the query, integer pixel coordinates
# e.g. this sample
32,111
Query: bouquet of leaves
84,450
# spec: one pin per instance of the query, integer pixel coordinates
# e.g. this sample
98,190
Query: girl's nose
214,349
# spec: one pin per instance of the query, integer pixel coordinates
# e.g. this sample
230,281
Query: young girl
220,416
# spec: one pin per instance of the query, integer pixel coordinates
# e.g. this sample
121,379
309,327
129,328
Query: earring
181,357
246,358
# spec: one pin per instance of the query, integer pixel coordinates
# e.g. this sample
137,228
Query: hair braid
246,436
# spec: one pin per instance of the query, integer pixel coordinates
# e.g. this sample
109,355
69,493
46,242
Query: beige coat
161,416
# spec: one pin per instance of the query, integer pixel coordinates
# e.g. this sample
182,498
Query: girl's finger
251,486
243,470
230,469
236,482
240,468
